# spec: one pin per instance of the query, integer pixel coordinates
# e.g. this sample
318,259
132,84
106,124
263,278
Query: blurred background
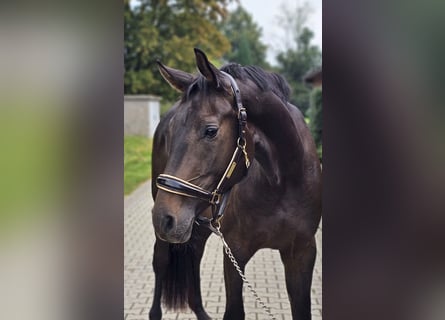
61,150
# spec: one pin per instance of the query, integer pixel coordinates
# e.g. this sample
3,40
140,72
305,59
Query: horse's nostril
168,222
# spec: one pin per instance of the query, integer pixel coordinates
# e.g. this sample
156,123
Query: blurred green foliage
137,161
168,30
315,114
299,55
244,36
294,63
31,160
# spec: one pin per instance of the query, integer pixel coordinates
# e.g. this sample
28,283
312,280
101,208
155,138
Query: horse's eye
211,131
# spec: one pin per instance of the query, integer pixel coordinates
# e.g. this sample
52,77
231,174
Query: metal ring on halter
215,228
241,145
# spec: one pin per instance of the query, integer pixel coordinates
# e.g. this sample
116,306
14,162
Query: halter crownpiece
218,197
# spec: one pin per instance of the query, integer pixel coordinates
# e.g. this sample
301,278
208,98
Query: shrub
315,114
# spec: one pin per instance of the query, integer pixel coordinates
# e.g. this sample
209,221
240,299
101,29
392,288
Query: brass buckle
243,149
216,198
241,110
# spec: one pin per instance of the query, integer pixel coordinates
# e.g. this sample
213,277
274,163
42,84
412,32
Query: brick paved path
264,270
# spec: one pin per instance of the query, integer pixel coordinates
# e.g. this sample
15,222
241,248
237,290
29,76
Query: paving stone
264,271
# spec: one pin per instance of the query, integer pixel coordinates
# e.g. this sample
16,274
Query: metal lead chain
229,254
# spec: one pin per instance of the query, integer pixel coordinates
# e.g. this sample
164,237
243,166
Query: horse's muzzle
171,228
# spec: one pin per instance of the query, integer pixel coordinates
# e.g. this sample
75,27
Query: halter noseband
218,197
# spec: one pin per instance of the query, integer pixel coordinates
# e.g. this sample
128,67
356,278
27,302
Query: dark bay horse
271,196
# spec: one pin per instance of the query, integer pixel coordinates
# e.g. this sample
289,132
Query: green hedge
315,114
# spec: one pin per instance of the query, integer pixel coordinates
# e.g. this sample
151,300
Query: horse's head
201,137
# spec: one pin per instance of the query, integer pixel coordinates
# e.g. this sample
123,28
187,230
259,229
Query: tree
244,36
299,55
168,30
140,40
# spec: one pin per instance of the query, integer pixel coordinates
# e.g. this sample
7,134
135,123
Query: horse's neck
279,149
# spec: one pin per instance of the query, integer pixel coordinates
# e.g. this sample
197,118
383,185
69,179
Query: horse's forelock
202,85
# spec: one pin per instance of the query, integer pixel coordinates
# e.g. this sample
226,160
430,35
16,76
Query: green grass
137,161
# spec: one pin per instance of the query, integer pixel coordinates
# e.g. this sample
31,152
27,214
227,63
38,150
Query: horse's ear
177,79
208,70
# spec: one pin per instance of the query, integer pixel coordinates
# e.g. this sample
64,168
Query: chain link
230,255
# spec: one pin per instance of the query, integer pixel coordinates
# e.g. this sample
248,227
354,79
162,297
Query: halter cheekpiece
218,197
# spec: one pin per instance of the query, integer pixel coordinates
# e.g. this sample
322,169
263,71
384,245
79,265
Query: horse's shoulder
294,111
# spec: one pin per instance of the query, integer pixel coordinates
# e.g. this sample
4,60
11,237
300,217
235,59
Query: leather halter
218,197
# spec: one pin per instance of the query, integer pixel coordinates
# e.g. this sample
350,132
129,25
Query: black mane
266,81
